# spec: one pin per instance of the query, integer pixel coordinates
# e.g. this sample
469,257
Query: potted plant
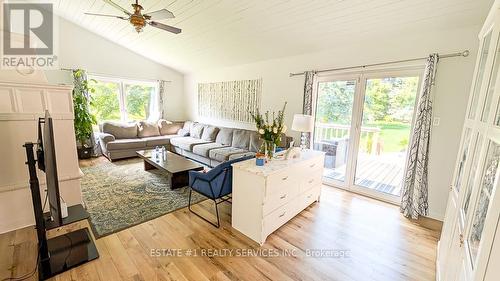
83,118
270,130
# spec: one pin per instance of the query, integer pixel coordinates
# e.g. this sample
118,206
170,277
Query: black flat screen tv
47,151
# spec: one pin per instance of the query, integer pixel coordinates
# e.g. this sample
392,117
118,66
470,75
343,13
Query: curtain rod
119,77
465,53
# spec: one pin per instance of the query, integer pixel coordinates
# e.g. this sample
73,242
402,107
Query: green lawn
393,135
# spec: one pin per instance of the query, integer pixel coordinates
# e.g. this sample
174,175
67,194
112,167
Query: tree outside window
124,100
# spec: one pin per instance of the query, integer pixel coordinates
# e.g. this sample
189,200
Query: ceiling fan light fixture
139,20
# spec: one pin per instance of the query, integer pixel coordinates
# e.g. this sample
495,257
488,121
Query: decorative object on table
292,153
83,120
270,130
260,159
304,124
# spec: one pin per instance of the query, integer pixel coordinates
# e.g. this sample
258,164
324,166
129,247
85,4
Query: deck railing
369,140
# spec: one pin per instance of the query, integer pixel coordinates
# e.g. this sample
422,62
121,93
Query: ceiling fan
140,20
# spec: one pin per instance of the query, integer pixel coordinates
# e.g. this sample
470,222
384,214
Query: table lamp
304,124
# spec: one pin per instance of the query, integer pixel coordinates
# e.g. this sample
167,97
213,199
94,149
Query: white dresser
266,197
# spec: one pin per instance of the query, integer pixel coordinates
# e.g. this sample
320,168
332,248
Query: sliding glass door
363,124
333,122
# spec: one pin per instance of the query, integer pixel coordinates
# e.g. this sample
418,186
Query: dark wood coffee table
175,166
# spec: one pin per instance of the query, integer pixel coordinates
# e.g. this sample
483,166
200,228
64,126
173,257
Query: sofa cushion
255,142
196,130
241,139
146,129
222,154
158,140
120,130
225,136
183,132
168,127
186,143
240,155
204,149
209,133
126,144
187,125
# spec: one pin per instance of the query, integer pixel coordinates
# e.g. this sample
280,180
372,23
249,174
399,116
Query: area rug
121,194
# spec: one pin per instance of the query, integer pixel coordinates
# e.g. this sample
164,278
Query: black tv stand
63,252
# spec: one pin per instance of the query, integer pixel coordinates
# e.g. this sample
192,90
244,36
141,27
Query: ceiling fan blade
117,6
165,27
102,15
160,15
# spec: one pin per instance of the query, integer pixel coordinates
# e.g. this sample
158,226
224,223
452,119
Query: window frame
122,95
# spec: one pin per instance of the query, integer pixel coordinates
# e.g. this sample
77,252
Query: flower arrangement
270,129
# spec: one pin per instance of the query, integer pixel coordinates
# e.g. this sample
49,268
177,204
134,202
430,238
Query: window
124,100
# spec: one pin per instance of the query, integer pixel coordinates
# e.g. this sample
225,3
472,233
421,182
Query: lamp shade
303,123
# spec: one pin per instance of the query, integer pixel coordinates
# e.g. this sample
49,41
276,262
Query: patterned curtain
162,86
414,201
308,97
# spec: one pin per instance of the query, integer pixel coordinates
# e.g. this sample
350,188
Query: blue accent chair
215,184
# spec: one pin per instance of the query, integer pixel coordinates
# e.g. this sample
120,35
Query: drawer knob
310,181
312,165
285,178
283,196
309,196
282,214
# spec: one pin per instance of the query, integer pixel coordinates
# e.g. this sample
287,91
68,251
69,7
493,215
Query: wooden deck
384,174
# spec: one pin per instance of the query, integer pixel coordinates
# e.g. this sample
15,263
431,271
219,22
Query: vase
270,149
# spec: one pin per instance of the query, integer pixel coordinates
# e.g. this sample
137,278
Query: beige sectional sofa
210,145
121,140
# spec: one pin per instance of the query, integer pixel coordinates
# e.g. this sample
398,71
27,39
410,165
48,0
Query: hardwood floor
379,243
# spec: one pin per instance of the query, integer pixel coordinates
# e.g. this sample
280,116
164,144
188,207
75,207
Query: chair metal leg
201,217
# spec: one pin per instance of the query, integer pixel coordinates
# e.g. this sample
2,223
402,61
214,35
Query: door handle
285,178
283,196
282,214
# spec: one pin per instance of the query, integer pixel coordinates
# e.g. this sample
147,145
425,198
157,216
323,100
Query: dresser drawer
311,180
308,197
312,165
279,198
279,216
280,181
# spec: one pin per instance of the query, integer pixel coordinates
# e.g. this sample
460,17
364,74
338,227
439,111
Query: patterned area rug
121,194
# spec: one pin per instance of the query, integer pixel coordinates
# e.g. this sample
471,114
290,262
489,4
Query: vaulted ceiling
229,32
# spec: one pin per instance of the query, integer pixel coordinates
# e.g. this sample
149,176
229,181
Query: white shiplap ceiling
229,32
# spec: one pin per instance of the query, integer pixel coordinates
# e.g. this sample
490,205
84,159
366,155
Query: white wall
451,92
80,48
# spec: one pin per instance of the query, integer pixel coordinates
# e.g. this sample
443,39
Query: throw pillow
196,131
241,139
209,133
148,129
183,133
225,136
